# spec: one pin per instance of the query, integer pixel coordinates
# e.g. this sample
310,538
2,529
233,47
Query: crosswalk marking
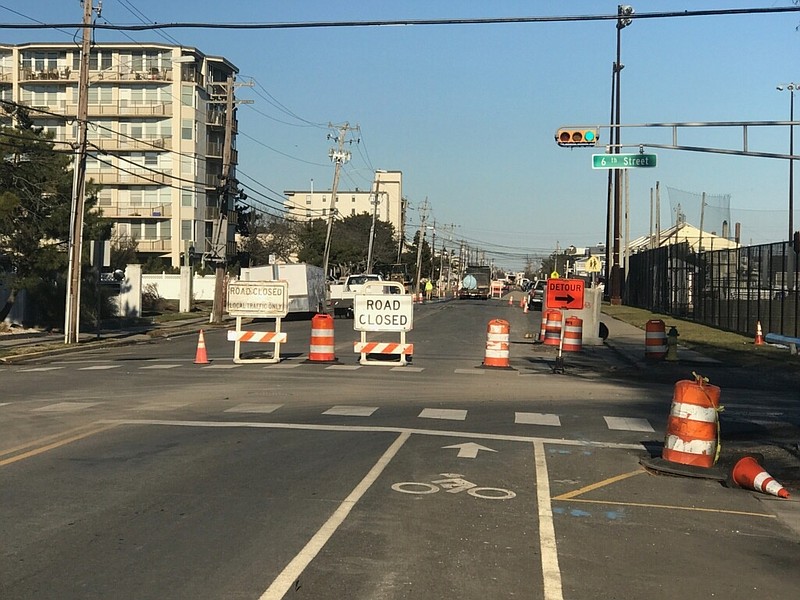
351,411
221,366
66,406
449,414
342,367
527,418
154,406
40,369
160,367
254,408
627,424
99,368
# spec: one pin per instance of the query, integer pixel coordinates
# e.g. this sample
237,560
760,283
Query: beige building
683,232
388,187
157,117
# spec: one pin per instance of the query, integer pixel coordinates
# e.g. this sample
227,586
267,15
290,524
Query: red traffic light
577,136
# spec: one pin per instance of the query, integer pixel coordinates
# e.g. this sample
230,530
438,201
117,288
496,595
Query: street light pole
791,87
624,12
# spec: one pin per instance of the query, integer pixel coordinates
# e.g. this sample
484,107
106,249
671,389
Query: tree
349,244
35,203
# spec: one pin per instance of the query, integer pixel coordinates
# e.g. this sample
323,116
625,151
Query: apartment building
306,205
157,116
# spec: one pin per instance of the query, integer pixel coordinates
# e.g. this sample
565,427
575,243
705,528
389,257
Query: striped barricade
275,337
383,348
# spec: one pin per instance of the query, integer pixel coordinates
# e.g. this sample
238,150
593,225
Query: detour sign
565,293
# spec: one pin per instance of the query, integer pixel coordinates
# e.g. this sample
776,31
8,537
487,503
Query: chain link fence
728,289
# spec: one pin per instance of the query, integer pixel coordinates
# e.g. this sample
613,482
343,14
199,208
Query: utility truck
476,282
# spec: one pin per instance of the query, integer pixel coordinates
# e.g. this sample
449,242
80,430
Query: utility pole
375,202
228,184
73,308
339,157
423,215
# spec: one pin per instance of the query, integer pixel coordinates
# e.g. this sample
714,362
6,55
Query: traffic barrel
573,335
543,329
693,424
655,340
497,333
552,333
322,339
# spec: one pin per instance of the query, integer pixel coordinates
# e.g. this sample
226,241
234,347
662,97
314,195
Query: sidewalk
29,343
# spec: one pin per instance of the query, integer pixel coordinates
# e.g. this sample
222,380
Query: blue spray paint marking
579,513
614,515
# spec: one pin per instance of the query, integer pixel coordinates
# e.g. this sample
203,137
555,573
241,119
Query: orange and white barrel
543,329
693,424
552,333
655,340
322,339
573,335
497,334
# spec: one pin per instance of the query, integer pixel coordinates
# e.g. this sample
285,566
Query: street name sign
258,298
623,161
565,293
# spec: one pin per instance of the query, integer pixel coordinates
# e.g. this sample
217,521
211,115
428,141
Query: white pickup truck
342,294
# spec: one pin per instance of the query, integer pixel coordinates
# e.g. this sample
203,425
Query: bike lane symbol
453,483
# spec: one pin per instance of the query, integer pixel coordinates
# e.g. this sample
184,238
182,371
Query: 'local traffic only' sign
565,293
623,161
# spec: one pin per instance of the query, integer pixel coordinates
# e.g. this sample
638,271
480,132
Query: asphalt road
131,472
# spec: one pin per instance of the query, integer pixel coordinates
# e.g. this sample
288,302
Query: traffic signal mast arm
569,131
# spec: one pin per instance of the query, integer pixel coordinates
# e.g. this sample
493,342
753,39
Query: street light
624,11
791,87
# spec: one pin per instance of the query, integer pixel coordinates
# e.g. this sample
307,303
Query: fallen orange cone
201,358
748,473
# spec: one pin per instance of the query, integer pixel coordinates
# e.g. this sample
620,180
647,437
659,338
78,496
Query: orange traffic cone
201,358
759,336
511,300
748,473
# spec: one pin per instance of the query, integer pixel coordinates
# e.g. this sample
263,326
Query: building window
308,213
308,199
353,199
324,199
187,129
187,95
324,211
187,198
151,230
166,231
186,230
150,159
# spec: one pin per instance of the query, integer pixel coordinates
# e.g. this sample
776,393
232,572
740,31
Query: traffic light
577,136
796,242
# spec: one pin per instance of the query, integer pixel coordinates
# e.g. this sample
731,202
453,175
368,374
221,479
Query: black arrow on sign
567,299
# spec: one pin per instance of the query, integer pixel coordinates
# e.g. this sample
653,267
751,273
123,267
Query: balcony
133,177
161,246
160,109
145,211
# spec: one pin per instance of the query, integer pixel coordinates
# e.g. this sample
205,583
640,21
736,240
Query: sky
468,113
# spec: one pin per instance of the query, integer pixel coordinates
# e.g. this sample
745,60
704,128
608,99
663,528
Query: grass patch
728,347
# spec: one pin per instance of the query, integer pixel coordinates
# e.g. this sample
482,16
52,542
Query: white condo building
157,116
387,187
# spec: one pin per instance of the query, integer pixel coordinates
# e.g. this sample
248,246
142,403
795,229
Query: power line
414,22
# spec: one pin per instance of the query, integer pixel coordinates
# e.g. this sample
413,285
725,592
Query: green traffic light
589,136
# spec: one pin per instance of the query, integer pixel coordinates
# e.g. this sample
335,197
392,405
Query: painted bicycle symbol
453,484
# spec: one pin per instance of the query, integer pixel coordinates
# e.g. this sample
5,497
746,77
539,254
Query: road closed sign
258,298
383,312
565,293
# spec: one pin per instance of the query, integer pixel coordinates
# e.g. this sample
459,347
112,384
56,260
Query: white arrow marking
469,449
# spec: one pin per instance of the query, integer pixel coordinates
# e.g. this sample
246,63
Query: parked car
536,294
